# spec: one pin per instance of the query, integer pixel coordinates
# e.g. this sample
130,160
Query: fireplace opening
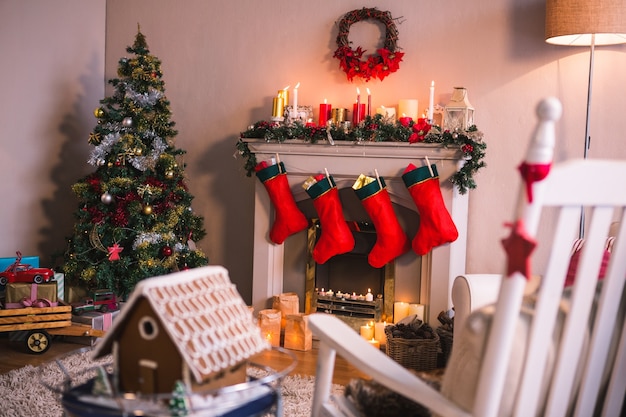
341,285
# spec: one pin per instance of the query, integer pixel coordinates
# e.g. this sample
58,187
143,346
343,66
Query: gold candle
284,94
278,107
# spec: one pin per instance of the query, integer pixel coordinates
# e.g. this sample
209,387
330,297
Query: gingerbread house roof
204,316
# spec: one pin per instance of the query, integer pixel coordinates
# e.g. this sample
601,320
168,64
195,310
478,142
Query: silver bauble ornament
127,122
106,198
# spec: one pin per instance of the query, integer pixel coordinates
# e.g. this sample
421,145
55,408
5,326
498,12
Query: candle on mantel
358,109
325,113
379,332
284,94
294,114
367,332
369,102
369,296
400,310
277,108
405,120
408,107
431,101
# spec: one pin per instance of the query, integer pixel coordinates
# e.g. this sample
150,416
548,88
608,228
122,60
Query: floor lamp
586,23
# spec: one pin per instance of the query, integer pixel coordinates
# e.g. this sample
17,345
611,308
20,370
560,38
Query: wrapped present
21,294
287,303
269,322
59,278
30,260
298,335
97,321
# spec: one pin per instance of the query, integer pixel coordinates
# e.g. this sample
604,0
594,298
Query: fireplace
347,285
282,268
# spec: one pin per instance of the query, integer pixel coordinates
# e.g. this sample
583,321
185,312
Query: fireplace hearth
426,280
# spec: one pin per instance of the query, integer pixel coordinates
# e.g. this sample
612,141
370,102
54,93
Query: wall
223,61
51,79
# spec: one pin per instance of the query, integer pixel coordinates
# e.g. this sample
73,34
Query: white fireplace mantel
345,161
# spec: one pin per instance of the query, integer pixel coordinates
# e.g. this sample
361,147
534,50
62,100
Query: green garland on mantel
375,129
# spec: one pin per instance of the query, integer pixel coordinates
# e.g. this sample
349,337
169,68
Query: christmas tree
134,219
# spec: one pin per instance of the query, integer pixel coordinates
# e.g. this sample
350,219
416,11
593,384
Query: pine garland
376,129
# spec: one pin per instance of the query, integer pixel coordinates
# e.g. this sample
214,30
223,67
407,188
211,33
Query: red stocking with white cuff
336,237
391,241
289,219
436,226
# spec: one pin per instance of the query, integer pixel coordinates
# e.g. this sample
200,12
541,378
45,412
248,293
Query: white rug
24,393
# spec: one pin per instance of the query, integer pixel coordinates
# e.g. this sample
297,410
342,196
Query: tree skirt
25,391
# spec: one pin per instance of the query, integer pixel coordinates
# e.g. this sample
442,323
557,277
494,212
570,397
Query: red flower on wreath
379,65
420,129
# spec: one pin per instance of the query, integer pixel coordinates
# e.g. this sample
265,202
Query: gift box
298,335
97,321
59,278
287,303
30,260
21,294
269,322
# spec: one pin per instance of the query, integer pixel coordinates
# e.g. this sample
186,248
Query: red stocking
436,226
391,241
336,237
289,219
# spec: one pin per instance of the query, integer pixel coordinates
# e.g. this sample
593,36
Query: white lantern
459,113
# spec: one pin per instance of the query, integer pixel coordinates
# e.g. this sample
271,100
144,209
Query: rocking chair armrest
337,336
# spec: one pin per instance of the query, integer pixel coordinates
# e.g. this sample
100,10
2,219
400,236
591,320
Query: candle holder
458,113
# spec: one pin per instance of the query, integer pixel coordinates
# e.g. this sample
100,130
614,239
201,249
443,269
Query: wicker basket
416,354
445,338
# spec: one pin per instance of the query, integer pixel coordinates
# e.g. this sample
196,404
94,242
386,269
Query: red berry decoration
166,251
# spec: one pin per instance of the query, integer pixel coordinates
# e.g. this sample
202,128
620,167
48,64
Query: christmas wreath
379,65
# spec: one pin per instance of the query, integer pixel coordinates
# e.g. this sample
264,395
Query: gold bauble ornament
147,209
98,112
138,151
169,174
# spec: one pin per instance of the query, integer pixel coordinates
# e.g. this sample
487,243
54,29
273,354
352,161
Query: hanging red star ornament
114,252
518,247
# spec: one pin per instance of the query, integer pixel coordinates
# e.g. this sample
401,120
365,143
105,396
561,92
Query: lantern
459,113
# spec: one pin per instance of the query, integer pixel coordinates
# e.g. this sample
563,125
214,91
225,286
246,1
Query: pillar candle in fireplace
367,332
418,310
400,310
379,332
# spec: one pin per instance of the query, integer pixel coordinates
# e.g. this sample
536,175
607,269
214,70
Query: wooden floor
13,355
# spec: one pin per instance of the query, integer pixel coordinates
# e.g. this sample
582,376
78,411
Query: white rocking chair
583,372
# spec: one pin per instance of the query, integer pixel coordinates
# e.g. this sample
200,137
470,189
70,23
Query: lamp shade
573,22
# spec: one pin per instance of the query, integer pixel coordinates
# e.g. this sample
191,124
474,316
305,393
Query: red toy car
18,272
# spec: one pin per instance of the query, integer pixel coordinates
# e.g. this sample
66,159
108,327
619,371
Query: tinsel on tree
134,219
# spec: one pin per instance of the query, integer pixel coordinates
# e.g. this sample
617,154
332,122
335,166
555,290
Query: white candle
431,101
408,107
367,332
369,296
379,332
295,101
400,310
417,309
374,343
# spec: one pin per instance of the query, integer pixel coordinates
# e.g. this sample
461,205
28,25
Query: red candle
369,102
405,121
358,113
325,113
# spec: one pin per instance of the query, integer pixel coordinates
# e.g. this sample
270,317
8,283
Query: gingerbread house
190,326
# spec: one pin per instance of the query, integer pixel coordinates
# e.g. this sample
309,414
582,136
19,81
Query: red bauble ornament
166,251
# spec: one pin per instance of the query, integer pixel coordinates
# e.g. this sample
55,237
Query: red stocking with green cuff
391,241
436,226
289,219
336,237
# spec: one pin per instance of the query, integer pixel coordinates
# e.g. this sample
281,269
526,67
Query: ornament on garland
147,209
378,65
127,122
98,112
